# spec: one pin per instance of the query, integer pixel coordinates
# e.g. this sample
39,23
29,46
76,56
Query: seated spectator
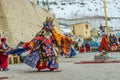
114,47
81,50
87,46
20,45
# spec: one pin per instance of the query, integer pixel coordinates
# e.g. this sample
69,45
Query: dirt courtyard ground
70,71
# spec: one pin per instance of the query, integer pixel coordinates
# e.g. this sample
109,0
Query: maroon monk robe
3,59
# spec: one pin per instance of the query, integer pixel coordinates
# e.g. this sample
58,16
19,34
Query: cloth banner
32,59
18,51
53,65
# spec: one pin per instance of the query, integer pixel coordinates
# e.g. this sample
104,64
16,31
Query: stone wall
20,20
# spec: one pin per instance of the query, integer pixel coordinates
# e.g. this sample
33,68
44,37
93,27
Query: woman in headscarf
4,58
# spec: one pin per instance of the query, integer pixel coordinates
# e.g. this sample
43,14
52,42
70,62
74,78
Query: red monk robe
114,47
87,46
3,58
104,44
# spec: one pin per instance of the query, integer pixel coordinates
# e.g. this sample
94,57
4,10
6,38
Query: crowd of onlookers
113,43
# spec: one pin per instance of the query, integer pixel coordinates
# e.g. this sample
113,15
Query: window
74,30
37,2
1,17
86,26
